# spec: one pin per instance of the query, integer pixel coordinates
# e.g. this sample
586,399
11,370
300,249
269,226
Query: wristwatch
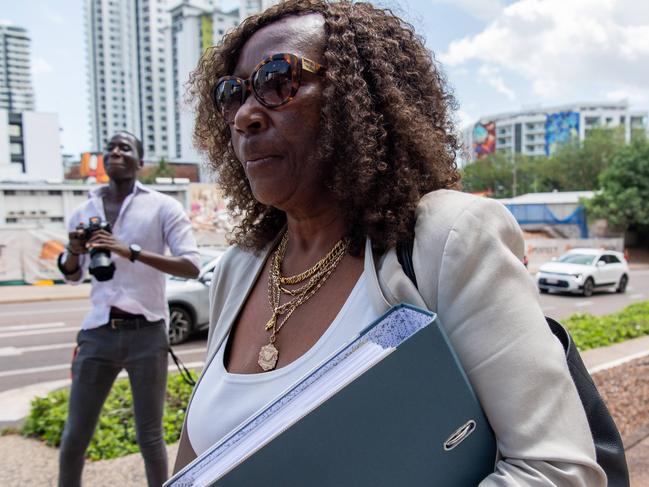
135,251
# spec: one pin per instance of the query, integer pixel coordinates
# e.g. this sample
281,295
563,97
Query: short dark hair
138,143
386,127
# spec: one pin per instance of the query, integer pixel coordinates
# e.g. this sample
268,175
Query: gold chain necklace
315,277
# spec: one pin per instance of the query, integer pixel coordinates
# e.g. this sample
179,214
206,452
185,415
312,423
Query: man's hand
77,244
101,239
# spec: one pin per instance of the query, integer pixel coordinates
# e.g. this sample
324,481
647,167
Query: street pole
514,188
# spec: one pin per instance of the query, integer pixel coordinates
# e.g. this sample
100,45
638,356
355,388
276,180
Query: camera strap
185,373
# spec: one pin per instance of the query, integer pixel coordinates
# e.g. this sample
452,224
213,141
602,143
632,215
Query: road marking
34,370
48,311
13,351
52,368
32,327
38,332
584,303
636,296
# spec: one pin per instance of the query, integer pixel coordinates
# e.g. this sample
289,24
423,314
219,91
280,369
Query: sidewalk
55,292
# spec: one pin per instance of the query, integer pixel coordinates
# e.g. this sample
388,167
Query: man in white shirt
127,325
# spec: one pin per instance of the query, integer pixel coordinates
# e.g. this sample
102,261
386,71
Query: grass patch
115,433
590,331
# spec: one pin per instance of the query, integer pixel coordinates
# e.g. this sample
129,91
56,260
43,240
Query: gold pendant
268,357
272,321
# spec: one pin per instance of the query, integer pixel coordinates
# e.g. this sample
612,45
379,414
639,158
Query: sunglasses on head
274,82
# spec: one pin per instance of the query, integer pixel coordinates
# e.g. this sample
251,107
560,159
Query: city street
37,339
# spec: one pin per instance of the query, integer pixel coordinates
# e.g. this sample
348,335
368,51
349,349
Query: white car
583,271
189,299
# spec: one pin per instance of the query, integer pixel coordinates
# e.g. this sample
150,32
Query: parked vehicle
583,271
189,299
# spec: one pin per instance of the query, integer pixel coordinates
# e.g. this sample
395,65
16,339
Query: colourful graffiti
560,128
484,139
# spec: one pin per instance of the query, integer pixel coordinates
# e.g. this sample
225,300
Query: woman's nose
252,116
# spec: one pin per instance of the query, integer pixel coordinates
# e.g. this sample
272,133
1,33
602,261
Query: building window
16,149
15,130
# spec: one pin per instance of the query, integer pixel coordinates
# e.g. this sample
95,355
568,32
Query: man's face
121,159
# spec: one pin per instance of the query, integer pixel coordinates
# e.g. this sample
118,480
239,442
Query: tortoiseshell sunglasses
274,82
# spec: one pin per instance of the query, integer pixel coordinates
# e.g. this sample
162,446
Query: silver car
189,299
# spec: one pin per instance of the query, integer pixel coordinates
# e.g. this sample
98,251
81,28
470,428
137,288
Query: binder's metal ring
459,435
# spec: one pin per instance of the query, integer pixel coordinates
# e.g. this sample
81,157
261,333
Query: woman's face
277,146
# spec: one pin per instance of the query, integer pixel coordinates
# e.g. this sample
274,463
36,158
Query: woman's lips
260,162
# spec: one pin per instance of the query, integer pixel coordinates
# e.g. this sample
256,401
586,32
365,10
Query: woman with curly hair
329,126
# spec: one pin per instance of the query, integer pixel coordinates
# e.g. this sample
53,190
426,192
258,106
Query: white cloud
41,66
491,75
563,46
55,18
463,119
482,9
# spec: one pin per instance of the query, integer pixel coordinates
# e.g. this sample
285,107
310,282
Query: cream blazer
467,257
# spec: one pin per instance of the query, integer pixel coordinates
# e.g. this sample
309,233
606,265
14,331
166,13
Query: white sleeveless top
223,400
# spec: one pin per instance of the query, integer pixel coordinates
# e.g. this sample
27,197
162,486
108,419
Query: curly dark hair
386,127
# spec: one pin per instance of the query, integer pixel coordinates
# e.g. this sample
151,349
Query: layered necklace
312,279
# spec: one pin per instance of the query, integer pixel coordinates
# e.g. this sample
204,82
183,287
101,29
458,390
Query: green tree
624,196
493,173
577,166
162,170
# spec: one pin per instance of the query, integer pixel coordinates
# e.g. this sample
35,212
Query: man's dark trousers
103,352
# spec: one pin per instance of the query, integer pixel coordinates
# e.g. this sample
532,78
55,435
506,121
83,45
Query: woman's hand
101,239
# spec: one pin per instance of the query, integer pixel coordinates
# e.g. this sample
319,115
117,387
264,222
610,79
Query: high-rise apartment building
16,91
195,26
127,71
539,131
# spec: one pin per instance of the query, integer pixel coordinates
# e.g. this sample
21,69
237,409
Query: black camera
101,265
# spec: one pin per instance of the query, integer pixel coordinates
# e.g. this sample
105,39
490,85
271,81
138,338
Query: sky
498,55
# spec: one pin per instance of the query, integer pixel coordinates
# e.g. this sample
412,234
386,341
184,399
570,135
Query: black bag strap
609,448
184,372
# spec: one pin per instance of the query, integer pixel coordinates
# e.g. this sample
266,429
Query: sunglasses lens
228,95
273,82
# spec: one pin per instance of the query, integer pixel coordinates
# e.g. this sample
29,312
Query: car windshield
582,259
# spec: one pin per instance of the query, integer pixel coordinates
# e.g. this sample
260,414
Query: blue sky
499,55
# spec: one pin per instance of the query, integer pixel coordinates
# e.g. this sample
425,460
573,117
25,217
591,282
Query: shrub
590,331
115,433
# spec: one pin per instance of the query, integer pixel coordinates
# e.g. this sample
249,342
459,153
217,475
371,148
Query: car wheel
589,285
180,325
621,287
543,290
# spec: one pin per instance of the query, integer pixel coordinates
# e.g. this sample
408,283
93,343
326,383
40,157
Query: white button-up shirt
157,223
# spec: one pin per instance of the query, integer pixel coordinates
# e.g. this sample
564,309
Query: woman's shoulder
447,209
448,204
444,212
